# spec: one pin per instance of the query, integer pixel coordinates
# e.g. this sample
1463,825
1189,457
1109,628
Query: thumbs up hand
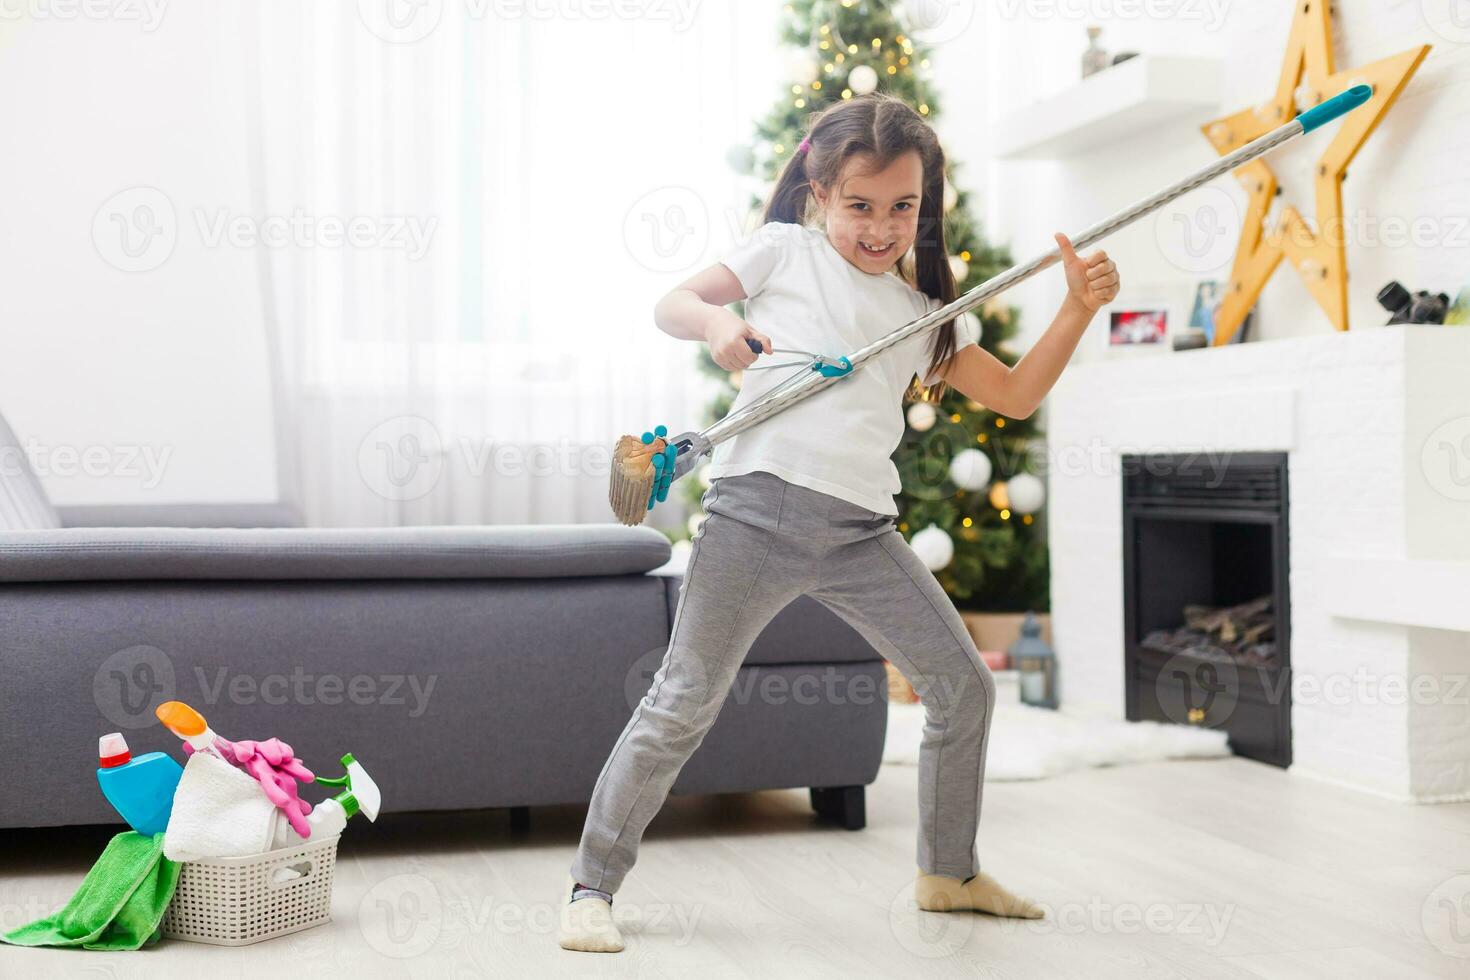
1093,281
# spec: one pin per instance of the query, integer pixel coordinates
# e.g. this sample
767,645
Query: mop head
642,470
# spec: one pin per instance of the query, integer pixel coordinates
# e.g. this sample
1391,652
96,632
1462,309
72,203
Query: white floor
1199,869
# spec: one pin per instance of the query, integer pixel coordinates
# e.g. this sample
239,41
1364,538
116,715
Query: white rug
1034,743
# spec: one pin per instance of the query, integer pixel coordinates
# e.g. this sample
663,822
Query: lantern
1037,664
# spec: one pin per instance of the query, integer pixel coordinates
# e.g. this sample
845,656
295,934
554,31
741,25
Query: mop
644,468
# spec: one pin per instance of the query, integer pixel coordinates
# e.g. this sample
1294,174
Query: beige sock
587,924
982,893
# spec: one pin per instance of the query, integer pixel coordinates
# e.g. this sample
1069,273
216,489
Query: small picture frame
1146,325
1207,297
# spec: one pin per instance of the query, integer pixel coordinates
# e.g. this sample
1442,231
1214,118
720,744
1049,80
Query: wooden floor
1222,868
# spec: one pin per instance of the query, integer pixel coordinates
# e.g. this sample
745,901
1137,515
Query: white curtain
467,221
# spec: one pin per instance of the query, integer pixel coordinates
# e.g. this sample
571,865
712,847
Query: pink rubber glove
273,765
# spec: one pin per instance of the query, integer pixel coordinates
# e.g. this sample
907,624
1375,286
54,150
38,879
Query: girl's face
873,218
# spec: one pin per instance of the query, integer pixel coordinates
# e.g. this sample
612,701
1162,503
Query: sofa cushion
501,551
23,504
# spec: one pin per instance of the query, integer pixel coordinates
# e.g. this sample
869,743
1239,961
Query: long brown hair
884,127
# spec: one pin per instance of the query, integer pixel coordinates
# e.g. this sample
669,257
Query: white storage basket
243,900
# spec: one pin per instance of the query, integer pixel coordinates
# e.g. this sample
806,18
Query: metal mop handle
694,444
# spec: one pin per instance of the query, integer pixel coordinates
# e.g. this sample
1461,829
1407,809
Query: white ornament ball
862,79
970,469
741,158
802,67
921,416
1027,493
951,196
958,268
695,520
934,547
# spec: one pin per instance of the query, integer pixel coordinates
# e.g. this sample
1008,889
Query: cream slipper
982,893
587,924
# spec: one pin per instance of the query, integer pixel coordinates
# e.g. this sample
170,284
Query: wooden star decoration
1319,254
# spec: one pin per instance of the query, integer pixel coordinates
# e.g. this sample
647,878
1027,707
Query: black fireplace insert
1207,610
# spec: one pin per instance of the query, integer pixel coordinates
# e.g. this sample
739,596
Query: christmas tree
968,506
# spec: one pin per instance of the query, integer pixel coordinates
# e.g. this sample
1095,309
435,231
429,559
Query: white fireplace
1376,427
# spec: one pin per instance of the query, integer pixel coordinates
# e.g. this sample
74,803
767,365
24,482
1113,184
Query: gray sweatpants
764,542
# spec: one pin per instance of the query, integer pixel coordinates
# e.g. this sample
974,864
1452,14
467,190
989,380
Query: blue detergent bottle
141,790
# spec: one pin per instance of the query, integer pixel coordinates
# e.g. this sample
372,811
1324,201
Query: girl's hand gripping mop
644,468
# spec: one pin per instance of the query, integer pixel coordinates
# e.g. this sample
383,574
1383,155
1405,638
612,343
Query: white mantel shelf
1112,105
1408,592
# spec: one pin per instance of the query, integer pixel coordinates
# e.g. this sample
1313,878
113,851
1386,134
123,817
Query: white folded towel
219,811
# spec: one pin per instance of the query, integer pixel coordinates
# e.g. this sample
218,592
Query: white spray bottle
329,817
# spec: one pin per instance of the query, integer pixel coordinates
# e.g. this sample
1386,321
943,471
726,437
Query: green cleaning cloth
120,903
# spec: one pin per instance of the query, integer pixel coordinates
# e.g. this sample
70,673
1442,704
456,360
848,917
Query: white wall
143,386
1412,168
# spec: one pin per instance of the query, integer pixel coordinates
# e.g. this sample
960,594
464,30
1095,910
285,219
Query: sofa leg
520,819
841,804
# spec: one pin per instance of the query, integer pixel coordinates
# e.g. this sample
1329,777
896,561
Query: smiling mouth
876,250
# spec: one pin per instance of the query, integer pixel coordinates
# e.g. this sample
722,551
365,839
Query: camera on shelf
1421,307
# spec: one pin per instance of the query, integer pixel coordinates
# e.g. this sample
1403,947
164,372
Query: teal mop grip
1338,105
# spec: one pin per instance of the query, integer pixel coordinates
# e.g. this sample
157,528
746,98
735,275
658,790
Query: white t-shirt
804,295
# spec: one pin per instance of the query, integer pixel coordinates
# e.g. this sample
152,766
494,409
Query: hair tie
805,144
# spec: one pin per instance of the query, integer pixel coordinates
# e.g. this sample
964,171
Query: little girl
803,502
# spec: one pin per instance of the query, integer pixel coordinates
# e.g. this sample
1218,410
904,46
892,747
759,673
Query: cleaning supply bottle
329,817
188,725
141,790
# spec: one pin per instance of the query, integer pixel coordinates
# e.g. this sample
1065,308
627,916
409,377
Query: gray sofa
466,667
